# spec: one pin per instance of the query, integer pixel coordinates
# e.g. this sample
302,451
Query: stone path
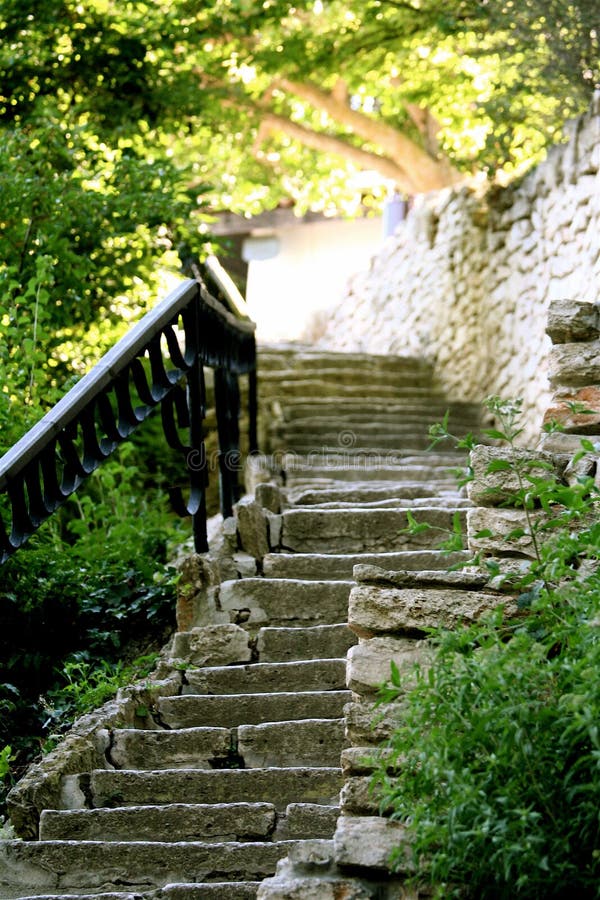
237,764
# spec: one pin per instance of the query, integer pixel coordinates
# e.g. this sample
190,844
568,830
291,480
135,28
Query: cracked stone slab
216,822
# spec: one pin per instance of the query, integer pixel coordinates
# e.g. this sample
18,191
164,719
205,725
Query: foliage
90,592
81,225
497,753
175,82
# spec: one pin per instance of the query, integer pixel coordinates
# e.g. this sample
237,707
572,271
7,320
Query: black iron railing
159,363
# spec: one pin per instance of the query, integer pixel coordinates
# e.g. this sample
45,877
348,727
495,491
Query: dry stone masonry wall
466,280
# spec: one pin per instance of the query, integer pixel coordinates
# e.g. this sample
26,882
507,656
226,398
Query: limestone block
244,566
566,443
274,527
356,761
252,527
196,576
561,410
311,854
261,468
492,488
370,841
370,574
575,364
269,496
286,885
489,531
368,663
573,320
218,645
359,797
367,724
414,610
303,820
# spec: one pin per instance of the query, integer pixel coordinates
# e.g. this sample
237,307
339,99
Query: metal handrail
193,330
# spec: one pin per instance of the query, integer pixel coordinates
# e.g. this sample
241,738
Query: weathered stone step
350,441
169,749
341,376
363,530
366,493
285,601
340,565
280,786
331,467
372,429
433,462
217,822
222,710
255,678
316,642
103,865
310,742
451,502
223,890
300,357
299,742
298,411
308,821
303,387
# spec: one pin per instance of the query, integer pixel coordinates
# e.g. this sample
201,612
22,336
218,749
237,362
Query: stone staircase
237,763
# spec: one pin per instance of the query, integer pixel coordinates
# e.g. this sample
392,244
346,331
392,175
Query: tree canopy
120,120
273,98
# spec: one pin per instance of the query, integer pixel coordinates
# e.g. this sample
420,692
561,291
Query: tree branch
327,143
427,173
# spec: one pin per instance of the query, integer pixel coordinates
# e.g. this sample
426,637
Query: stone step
304,387
372,429
256,601
345,441
104,865
342,376
310,742
315,642
218,822
340,565
280,786
231,710
299,742
363,530
301,357
451,502
223,890
297,411
197,748
308,821
361,492
263,677
332,468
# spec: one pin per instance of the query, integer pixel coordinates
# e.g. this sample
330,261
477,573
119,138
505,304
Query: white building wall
309,274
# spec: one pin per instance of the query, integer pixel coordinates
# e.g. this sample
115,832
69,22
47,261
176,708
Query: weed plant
496,758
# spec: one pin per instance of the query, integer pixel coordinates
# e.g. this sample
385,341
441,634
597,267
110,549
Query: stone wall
466,280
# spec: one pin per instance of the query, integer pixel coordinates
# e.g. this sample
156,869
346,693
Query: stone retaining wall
466,280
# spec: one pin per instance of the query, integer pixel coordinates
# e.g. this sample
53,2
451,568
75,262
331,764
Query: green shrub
91,591
497,753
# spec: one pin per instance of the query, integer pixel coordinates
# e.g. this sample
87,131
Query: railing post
197,463
227,402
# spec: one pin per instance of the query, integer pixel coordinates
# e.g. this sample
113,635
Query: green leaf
498,465
496,434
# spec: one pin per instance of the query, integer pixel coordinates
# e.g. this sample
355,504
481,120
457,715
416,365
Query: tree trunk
327,143
425,172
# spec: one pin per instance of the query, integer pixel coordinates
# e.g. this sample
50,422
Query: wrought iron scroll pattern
159,365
